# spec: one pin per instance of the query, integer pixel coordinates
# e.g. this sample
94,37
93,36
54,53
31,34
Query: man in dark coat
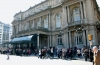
91,55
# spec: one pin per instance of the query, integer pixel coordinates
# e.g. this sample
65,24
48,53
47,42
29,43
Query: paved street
16,60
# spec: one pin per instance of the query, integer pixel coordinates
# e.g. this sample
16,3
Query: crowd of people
63,53
52,52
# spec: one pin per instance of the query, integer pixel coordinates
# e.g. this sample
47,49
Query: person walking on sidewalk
8,52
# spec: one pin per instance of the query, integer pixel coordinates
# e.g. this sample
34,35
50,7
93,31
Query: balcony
34,29
76,23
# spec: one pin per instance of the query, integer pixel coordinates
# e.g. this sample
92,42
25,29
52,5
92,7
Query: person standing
8,53
52,53
39,53
96,56
86,54
82,51
91,55
78,53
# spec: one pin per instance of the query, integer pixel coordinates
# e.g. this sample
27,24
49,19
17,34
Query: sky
8,8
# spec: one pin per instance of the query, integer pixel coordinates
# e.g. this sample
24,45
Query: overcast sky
8,8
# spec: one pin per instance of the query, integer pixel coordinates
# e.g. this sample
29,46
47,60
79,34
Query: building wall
1,32
73,32
5,33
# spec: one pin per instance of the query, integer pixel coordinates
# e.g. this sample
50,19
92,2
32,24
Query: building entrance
79,39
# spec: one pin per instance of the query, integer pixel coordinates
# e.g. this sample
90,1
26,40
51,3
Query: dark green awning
21,39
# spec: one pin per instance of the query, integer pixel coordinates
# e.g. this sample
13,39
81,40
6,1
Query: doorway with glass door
79,39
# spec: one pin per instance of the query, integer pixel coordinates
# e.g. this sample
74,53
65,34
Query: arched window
76,14
46,22
58,21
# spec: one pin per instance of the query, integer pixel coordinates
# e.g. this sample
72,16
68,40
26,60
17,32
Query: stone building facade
55,22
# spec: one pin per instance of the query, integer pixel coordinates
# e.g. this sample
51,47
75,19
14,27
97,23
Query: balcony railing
34,29
75,23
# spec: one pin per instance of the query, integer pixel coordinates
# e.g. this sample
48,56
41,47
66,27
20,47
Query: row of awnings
21,39
26,38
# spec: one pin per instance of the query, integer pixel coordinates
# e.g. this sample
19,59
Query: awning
21,39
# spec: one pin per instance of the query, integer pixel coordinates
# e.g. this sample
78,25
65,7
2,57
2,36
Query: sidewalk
55,57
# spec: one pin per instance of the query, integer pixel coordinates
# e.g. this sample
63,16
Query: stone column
84,38
18,28
49,21
13,30
66,40
81,8
68,14
33,24
70,39
84,8
83,35
38,43
87,32
50,41
64,17
41,21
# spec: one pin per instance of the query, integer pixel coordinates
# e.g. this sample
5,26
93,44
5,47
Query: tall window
58,21
39,23
20,27
32,24
25,26
76,14
46,22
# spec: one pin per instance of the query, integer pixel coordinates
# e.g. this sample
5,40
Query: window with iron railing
76,16
46,22
39,23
